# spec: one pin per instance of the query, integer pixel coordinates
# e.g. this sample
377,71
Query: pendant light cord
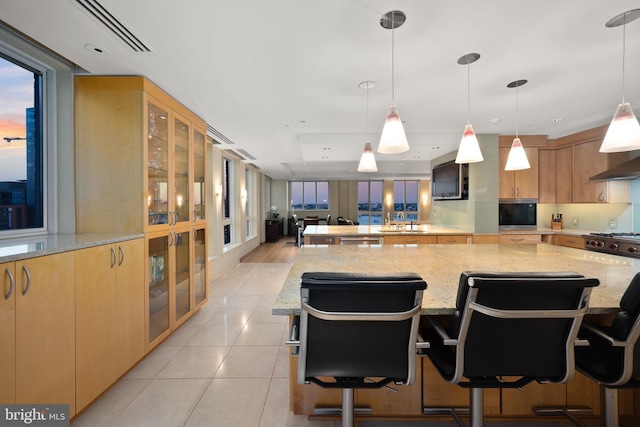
393,78
517,111
624,26
366,129
468,95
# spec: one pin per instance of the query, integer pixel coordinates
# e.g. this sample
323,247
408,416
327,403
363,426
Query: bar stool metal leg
610,407
477,407
347,407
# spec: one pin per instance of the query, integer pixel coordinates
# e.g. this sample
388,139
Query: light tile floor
227,366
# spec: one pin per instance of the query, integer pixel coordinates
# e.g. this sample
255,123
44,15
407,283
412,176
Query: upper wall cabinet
139,157
521,184
569,165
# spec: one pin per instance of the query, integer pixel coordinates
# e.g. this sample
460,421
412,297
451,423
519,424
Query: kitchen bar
440,266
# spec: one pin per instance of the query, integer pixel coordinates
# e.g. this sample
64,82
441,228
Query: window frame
410,215
227,202
302,208
369,213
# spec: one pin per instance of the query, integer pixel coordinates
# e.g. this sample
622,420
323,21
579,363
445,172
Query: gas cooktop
624,244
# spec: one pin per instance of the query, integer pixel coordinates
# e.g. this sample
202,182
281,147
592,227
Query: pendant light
469,149
517,159
393,139
624,131
367,161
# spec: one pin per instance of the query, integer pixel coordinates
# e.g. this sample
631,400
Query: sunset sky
16,95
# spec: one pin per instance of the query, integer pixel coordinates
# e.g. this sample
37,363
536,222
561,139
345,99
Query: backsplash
589,216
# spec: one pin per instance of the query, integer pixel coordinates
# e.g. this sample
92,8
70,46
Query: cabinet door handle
26,271
517,191
194,215
12,284
517,240
601,196
175,218
513,192
113,258
121,255
170,239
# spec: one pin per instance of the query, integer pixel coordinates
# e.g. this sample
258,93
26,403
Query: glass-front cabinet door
181,145
182,295
199,266
199,146
158,286
158,163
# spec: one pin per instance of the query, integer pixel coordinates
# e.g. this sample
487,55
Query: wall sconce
388,198
425,198
219,190
243,197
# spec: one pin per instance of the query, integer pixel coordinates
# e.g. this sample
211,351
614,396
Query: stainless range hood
627,170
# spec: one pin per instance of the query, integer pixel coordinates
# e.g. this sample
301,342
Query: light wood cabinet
8,333
520,239
563,174
570,241
547,176
409,239
588,161
141,167
109,316
521,184
447,240
45,330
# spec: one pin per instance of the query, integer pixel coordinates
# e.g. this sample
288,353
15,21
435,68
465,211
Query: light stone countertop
37,246
441,265
380,230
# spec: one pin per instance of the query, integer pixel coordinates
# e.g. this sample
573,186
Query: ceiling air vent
218,136
112,24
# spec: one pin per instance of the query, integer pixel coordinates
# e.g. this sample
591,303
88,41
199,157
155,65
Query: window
227,186
22,190
310,195
370,202
405,199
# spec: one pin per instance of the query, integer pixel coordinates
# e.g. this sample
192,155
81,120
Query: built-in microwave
521,213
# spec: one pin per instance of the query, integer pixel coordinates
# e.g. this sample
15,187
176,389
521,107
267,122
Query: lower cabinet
520,239
8,332
45,330
570,241
409,239
109,315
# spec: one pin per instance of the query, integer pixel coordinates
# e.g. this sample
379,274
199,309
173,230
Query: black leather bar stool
613,357
361,330
509,324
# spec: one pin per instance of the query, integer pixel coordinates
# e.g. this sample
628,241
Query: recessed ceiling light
96,49
556,120
494,121
327,148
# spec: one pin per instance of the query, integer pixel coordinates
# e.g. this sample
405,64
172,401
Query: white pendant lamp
367,161
393,139
624,131
517,159
469,149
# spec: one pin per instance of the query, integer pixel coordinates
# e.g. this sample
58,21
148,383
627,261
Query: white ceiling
280,78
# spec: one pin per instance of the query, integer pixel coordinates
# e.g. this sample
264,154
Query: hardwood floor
284,250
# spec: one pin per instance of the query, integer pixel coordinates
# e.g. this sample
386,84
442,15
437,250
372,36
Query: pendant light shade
367,161
393,139
624,131
517,159
469,149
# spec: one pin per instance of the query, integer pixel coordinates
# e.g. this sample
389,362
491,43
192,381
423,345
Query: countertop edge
59,243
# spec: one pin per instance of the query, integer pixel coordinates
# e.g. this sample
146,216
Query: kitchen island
393,233
440,266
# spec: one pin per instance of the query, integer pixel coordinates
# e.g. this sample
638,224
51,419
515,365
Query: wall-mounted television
450,181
